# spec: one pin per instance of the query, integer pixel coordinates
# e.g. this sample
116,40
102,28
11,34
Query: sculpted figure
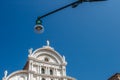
48,43
5,73
30,51
64,58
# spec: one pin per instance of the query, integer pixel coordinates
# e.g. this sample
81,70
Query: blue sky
88,35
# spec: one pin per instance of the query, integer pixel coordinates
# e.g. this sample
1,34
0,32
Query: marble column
40,69
37,77
31,66
40,78
56,71
48,70
45,70
65,71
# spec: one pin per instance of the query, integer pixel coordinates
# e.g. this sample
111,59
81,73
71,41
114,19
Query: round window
46,59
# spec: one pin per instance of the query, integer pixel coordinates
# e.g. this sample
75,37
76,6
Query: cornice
43,62
46,75
16,72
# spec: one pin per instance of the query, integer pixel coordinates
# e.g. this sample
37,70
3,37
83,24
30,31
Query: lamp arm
71,4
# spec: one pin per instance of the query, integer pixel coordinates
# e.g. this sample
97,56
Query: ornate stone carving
48,43
5,73
30,51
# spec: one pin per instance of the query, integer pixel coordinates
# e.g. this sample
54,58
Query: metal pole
71,4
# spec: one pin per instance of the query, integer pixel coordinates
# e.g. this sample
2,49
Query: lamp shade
38,27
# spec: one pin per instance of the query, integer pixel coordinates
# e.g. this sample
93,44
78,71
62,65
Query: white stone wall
57,70
53,63
18,77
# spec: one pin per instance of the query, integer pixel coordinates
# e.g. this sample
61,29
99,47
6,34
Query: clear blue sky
89,35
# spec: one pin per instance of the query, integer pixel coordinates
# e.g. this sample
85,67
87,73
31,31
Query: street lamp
39,28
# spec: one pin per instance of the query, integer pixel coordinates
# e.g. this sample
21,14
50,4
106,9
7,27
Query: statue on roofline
30,51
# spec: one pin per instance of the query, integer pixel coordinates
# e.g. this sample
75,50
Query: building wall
43,64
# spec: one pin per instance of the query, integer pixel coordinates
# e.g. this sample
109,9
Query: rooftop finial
48,43
30,51
5,73
63,57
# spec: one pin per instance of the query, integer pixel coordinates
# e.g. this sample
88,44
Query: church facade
115,77
43,64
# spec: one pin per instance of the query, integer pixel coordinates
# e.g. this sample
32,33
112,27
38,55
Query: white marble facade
43,64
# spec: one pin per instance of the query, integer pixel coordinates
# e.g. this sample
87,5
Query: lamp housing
38,27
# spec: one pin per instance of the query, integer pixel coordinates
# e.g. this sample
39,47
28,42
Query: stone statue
5,73
48,43
30,51
64,58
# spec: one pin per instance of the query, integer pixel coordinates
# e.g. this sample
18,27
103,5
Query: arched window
43,71
43,78
51,72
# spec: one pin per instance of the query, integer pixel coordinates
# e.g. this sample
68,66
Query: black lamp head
38,27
